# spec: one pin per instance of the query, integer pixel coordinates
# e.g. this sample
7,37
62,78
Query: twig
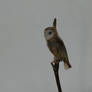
56,69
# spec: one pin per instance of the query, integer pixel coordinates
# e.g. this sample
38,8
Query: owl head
50,32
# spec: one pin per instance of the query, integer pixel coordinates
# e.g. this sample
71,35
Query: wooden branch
56,73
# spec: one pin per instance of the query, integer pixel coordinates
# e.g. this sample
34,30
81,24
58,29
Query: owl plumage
56,45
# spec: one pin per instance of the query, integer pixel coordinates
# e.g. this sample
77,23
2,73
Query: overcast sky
24,56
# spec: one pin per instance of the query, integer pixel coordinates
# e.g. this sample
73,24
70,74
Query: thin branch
56,73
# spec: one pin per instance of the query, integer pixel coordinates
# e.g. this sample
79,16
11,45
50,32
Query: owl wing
63,54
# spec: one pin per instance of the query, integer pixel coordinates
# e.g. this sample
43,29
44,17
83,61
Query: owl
56,45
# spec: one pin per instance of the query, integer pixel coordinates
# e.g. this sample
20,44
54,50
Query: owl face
49,33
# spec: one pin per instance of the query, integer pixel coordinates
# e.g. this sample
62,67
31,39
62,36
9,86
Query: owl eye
50,33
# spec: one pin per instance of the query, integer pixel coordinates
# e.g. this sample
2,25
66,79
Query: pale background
24,56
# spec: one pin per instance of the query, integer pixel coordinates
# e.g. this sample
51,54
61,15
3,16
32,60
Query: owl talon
56,60
53,63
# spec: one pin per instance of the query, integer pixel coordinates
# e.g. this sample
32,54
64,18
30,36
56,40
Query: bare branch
56,73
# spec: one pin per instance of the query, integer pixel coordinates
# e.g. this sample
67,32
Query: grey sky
24,56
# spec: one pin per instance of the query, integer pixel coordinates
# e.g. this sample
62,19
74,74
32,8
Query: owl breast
54,48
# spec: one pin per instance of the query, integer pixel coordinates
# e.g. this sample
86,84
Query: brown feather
58,49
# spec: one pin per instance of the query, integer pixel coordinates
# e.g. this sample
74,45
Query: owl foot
55,65
56,60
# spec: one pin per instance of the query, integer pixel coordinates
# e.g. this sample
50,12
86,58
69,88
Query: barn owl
56,45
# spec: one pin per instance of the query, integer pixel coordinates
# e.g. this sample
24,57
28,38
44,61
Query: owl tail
67,65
